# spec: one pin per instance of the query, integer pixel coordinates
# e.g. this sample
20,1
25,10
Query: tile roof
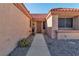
65,9
39,15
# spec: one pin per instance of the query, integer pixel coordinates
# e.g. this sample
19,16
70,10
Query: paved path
38,47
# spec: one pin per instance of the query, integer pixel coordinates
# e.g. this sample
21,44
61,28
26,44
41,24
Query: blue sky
45,7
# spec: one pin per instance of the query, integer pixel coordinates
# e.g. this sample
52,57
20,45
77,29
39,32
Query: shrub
24,43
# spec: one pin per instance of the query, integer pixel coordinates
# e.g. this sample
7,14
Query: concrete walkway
38,47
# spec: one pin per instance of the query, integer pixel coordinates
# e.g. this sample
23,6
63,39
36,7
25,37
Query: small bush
24,43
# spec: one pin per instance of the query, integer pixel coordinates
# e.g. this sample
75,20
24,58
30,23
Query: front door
39,27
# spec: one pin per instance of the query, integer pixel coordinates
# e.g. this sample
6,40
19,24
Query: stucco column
49,25
54,26
55,22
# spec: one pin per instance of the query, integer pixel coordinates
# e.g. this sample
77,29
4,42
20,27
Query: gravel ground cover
18,51
69,47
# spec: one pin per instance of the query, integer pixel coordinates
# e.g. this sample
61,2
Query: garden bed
62,47
21,50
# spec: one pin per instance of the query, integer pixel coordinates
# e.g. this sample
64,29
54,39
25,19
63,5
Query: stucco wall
55,22
52,26
14,25
49,26
68,35
49,21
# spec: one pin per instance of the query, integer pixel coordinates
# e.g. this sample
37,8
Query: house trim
22,8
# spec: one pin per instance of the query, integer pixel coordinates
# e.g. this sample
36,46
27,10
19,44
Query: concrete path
38,47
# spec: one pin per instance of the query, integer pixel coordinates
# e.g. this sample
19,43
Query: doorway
39,29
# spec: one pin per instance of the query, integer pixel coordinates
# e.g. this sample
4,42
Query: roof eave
22,8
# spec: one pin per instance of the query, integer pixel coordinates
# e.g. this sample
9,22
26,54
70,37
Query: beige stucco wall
68,35
49,21
55,22
49,26
52,26
35,25
14,25
62,35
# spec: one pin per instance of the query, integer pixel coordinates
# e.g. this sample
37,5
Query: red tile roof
39,15
65,9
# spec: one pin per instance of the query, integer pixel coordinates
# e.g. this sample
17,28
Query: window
65,22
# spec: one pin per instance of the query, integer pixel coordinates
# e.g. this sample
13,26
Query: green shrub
24,42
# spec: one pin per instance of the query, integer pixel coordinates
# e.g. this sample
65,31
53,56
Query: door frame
39,27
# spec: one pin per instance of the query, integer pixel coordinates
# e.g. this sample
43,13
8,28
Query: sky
43,8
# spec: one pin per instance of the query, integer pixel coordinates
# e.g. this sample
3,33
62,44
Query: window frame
65,23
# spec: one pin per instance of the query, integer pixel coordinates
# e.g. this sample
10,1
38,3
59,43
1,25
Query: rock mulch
18,51
62,47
